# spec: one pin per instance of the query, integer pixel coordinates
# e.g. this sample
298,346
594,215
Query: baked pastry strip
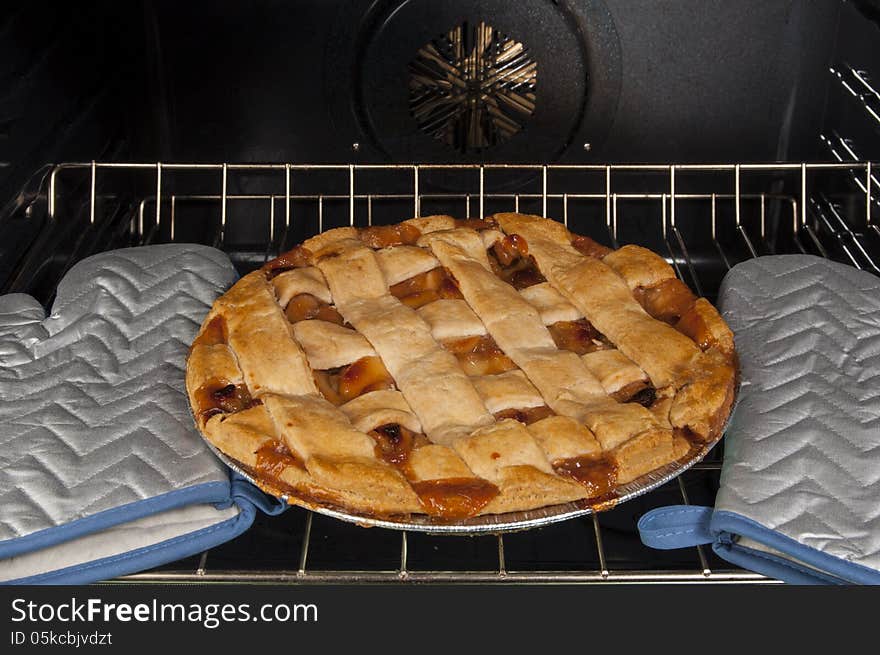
606,300
428,224
247,435
326,239
400,263
257,326
561,437
451,318
551,304
338,456
560,376
317,446
705,380
508,390
439,393
378,408
300,280
468,241
638,266
507,455
705,401
328,345
614,370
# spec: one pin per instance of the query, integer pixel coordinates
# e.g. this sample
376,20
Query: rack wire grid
703,218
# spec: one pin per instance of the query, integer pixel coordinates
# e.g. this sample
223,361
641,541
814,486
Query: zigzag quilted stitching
94,413
804,446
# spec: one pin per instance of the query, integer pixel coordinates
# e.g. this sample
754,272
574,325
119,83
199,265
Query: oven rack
704,218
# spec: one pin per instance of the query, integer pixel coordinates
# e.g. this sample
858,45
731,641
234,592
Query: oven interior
127,124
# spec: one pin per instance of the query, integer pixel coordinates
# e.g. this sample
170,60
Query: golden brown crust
524,487
643,453
242,434
429,377
551,304
662,352
324,240
506,443
427,224
377,408
613,369
703,404
508,390
402,262
328,345
421,437
451,318
704,325
639,267
436,462
365,484
562,437
257,326
300,280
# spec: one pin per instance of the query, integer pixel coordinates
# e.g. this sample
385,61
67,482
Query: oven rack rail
815,221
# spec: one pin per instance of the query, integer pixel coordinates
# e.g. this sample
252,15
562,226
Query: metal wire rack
704,218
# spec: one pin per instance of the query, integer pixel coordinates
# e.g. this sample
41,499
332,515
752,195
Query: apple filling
674,303
455,498
339,385
693,325
385,236
305,306
214,334
273,457
640,391
578,336
586,246
394,443
220,397
527,416
426,287
597,473
667,301
479,355
298,257
475,223
511,261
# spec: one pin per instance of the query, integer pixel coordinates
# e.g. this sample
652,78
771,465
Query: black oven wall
350,80
67,77
619,80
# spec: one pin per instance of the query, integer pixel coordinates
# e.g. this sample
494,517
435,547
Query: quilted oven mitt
800,485
101,469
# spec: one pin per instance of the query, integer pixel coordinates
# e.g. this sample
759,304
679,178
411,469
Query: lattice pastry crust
458,368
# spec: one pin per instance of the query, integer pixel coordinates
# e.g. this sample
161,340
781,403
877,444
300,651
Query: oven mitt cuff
102,471
138,536
799,496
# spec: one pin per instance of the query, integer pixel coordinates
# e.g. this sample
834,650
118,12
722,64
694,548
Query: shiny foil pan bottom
495,523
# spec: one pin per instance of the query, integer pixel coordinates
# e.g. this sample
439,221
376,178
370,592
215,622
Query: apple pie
456,368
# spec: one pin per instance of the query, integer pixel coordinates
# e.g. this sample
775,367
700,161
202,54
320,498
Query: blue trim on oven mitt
237,492
681,526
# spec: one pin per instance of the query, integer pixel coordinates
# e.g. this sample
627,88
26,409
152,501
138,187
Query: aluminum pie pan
495,523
